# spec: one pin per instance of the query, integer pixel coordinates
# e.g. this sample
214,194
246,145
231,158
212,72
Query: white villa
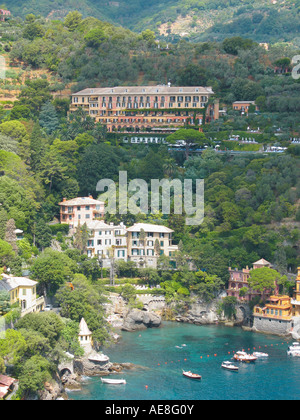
107,241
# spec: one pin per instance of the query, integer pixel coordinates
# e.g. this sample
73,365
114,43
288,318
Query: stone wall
272,326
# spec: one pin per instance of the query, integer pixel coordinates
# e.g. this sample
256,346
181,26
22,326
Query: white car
48,308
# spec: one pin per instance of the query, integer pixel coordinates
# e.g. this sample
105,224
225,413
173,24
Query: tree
49,324
35,372
37,147
98,162
6,253
228,305
48,118
34,94
264,279
233,45
43,236
10,234
52,269
192,75
33,30
95,37
190,137
81,238
73,20
4,302
12,347
3,221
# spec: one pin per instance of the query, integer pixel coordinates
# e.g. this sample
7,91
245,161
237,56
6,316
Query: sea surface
206,347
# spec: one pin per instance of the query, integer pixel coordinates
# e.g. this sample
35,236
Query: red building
4,14
239,279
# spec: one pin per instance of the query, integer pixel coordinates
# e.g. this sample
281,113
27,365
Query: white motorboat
260,355
113,381
191,375
229,366
98,358
294,349
242,356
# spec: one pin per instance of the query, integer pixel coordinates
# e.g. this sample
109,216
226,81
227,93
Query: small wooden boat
113,381
191,375
229,366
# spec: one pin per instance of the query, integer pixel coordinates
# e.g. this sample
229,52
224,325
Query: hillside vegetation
262,20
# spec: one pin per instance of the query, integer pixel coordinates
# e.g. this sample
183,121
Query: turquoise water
277,378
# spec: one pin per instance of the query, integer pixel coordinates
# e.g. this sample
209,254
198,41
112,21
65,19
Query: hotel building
147,108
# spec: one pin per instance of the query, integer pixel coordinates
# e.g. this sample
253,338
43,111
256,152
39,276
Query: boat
294,349
229,366
242,356
113,381
260,355
178,347
191,375
98,358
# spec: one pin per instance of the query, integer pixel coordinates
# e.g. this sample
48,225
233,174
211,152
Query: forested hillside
262,20
252,200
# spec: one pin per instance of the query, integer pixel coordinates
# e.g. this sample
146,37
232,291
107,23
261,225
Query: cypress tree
48,118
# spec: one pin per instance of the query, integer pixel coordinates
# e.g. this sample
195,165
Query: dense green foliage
260,20
251,197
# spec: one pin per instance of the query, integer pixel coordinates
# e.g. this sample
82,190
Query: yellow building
277,307
296,300
22,291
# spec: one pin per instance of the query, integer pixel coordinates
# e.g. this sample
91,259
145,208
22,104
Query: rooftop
244,102
262,261
80,201
9,283
100,225
83,328
151,90
147,227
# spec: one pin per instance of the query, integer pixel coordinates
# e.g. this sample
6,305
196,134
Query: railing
38,302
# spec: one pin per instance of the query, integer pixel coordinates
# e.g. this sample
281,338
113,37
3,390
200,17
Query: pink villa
80,210
4,14
239,279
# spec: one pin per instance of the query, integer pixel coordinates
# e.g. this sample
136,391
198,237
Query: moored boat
294,349
191,375
229,366
260,355
113,381
242,356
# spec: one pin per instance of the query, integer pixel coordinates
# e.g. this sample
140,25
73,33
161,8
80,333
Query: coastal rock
140,320
52,390
86,367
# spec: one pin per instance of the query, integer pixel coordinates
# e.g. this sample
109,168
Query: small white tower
85,337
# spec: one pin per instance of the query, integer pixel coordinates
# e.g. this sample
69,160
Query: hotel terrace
147,108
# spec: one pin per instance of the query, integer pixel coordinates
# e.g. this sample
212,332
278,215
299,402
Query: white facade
107,241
